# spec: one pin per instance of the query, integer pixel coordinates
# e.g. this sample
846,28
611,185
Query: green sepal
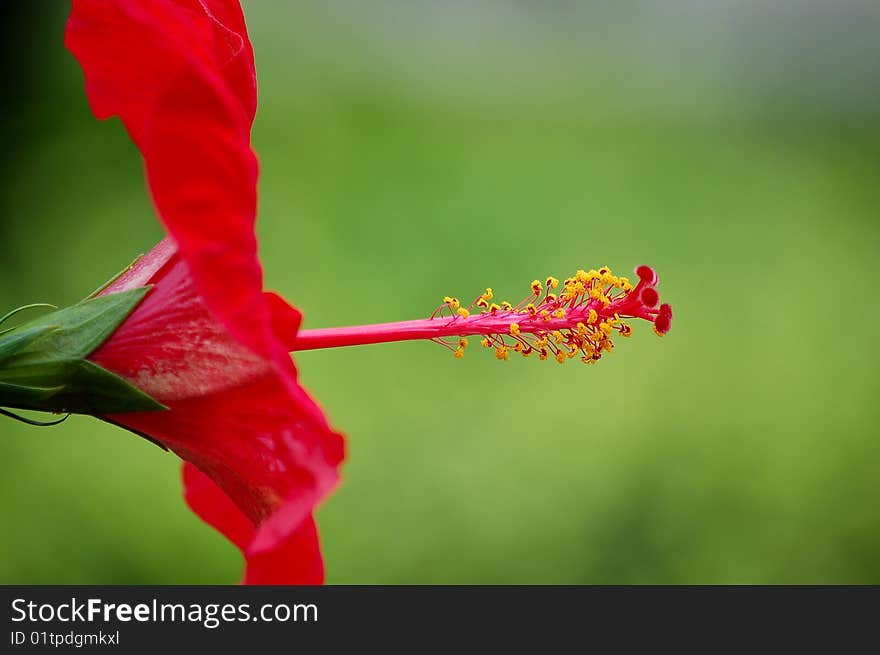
113,279
16,339
80,328
43,363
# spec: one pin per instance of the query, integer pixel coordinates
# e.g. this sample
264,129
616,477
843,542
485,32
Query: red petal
203,175
236,50
215,508
285,319
294,559
180,76
241,419
131,50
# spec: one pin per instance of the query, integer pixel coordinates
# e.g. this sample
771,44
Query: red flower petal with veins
207,341
243,422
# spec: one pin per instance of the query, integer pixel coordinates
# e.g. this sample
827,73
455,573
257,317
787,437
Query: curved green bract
23,308
43,363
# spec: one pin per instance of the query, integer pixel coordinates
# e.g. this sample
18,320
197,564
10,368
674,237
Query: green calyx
43,363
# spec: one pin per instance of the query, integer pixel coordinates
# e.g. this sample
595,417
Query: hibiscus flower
186,349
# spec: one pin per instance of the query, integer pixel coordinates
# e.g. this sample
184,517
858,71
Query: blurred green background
415,149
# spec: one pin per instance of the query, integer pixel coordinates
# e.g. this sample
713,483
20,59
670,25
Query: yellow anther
626,330
459,353
560,357
463,343
542,354
581,329
501,352
488,295
452,302
607,277
542,342
545,315
530,309
559,313
588,360
482,302
484,342
605,326
625,285
506,306
551,297
536,287
558,336
574,289
518,346
592,317
514,329
463,312
493,308
552,282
